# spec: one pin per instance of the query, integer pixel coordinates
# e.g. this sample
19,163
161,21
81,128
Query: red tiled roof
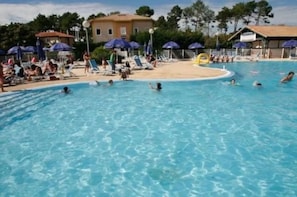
53,34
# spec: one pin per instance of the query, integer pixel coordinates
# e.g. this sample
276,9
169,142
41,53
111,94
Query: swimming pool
194,138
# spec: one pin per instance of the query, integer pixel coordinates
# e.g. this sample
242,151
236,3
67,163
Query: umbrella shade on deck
14,50
290,44
195,45
170,45
240,45
117,43
60,47
134,45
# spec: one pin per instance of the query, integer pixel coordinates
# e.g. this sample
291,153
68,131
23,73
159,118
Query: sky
24,11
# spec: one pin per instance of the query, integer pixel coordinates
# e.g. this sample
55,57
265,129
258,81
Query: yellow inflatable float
202,58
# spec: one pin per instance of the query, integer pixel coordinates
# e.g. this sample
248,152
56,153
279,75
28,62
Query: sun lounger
93,66
141,65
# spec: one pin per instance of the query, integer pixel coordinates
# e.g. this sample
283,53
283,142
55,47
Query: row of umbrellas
121,43
287,44
19,50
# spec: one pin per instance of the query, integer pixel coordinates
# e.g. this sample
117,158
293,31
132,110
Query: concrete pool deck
174,70
165,71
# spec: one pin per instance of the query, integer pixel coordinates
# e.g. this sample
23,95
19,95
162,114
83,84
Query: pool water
194,138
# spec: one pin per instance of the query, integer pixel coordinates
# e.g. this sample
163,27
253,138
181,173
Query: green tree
100,14
223,17
263,12
114,12
199,14
173,17
41,23
145,11
68,20
161,23
238,12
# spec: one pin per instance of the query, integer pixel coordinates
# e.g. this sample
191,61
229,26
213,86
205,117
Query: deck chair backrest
93,63
138,62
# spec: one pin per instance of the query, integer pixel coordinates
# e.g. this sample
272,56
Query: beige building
119,26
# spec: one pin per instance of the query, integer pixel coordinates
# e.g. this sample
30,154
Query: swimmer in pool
66,90
257,84
288,78
158,86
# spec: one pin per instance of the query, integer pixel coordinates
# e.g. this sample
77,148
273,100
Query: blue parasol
195,45
14,50
134,45
170,45
290,44
60,46
117,43
31,49
240,45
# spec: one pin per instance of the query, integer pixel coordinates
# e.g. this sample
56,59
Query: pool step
21,105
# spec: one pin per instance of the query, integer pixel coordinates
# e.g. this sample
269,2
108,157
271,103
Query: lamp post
151,32
86,25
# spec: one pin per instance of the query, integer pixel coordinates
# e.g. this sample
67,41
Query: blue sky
25,11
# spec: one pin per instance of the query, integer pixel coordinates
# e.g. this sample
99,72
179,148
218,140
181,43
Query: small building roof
275,31
53,34
122,17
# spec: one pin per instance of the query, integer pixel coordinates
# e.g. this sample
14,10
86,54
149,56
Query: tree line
190,24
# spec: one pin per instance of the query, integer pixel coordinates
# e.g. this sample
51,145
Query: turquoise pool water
194,138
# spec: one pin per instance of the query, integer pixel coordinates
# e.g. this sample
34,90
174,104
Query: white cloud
24,13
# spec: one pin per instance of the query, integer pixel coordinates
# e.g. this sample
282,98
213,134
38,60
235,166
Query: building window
98,31
110,31
123,31
136,30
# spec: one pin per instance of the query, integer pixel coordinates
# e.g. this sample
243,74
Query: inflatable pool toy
202,58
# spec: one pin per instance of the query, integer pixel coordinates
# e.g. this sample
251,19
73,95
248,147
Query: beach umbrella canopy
240,45
60,46
170,45
134,45
14,50
117,43
195,45
290,44
31,49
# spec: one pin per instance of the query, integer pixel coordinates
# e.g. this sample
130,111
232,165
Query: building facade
51,37
266,40
118,26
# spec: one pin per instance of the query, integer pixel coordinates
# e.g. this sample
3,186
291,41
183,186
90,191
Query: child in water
66,90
